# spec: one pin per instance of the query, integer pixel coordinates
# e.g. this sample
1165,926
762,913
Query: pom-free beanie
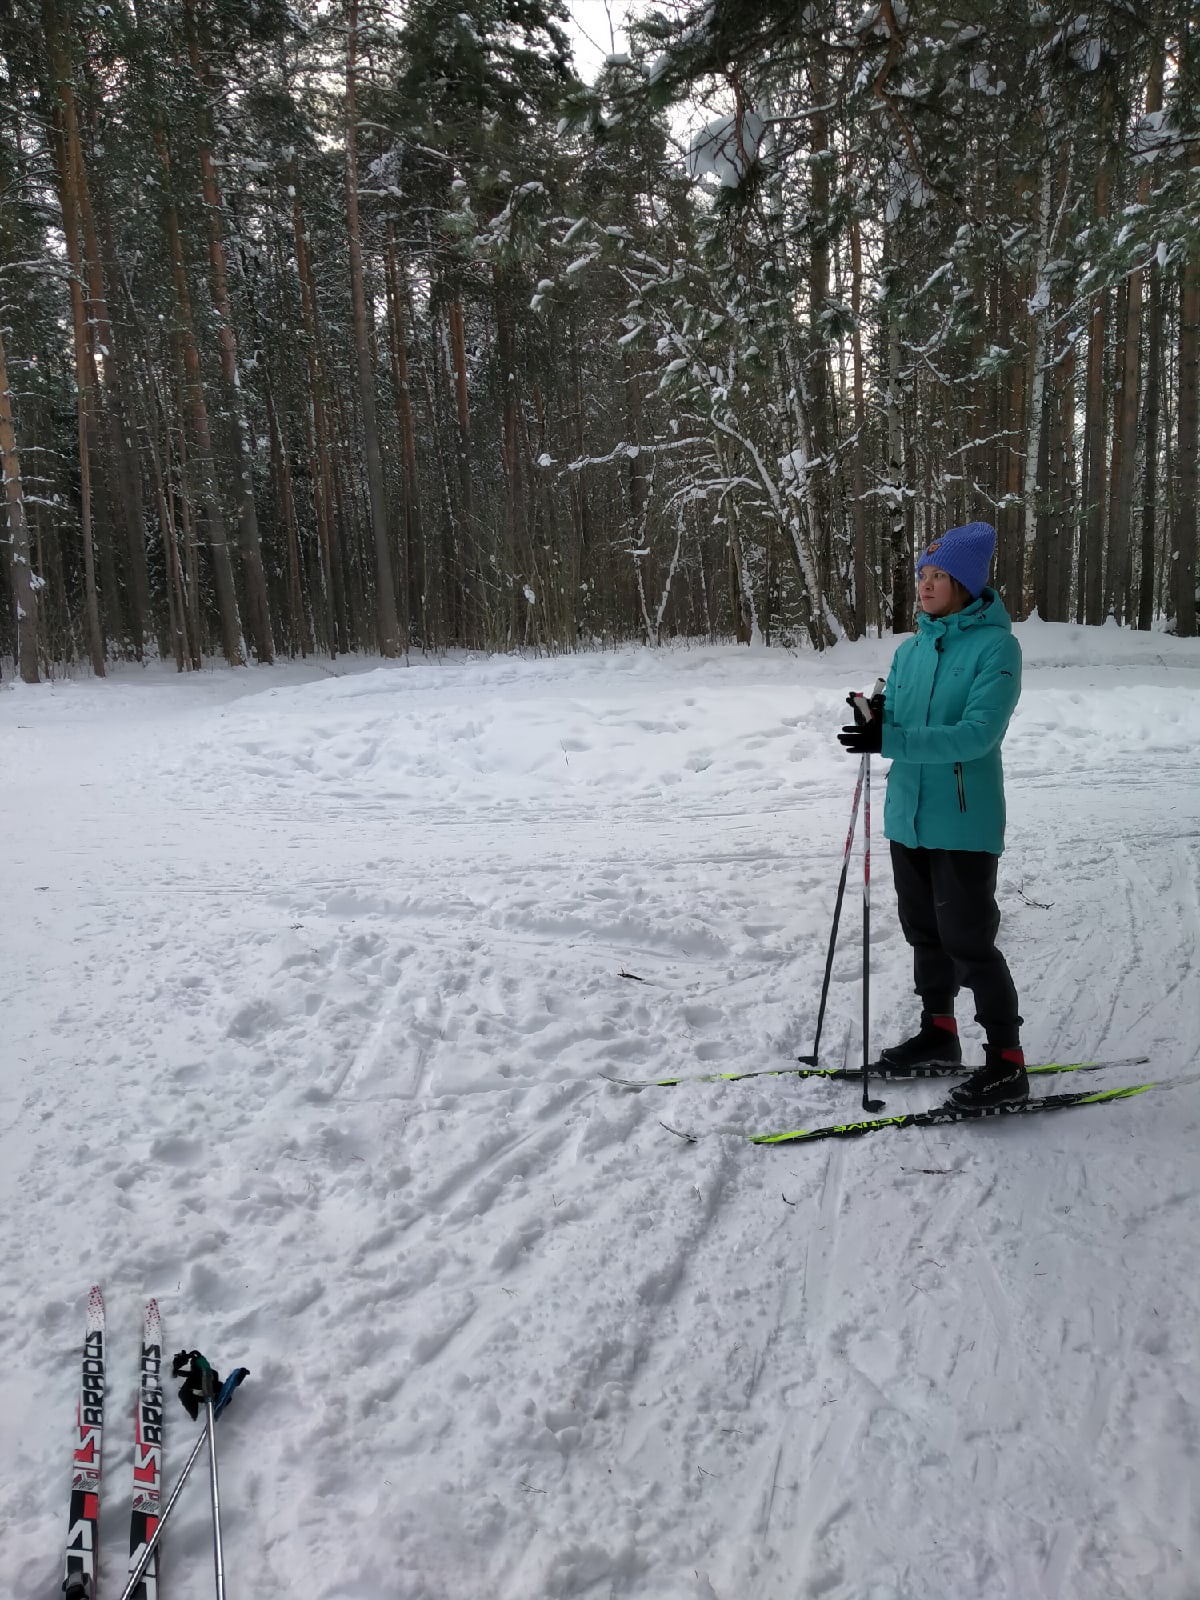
965,553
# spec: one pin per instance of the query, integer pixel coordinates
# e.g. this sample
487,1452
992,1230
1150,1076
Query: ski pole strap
227,1390
202,1383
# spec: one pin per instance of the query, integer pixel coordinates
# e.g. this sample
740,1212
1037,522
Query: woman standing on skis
950,694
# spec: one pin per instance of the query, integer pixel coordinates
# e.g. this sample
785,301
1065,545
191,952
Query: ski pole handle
862,702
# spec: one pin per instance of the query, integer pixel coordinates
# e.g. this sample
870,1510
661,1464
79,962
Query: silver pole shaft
218,1554
137,1573
868,1104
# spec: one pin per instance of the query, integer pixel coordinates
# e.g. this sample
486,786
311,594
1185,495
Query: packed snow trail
311,983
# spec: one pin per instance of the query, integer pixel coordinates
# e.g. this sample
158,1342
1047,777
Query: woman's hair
961,593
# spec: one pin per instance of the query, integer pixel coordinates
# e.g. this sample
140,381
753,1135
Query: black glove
863,738
201,1382
853,700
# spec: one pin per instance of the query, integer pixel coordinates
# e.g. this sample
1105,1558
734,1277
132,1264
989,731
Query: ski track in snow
312,979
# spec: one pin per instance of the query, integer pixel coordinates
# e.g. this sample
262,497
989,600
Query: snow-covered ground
311,980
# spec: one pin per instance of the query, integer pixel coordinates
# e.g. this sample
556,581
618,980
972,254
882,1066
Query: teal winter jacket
950,694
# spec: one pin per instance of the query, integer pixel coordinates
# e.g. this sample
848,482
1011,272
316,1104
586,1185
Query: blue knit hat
965,553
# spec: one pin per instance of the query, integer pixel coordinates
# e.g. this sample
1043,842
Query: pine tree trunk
858,460
639,487
514,464
821,423
1095,459
1118,573
975,458
185,654
1150,448
386,620
1010,542
1124,446
1061,520
1184,551
458,357
900,537
68,161
85,394
581,505
474,626
1023,596
64,144
205,464
186,643
100,258
458,607
285,498
413,584
195,403
348,508
319,443
1095,404
25,596
258,610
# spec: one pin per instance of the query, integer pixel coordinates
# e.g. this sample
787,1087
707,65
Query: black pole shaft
812,1060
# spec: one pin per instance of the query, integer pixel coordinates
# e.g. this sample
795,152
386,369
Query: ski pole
211,1419
863,709
138,1571
811,1060
867,1103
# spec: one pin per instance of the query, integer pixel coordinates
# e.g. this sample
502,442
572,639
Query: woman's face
937,593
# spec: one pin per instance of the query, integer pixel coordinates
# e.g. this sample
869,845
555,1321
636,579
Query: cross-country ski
148,1453
83,1535
879,1069
940,1116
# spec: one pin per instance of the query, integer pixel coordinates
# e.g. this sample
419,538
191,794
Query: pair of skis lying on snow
912,1119
148,1514
83,1543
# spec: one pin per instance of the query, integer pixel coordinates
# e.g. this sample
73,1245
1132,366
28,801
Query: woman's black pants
948,912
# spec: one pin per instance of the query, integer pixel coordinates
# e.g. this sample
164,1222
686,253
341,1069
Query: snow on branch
727,148
631,451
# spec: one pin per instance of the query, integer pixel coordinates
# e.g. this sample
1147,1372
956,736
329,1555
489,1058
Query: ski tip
689,1138
95,1307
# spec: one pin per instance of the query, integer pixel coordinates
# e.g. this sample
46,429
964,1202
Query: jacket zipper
962,793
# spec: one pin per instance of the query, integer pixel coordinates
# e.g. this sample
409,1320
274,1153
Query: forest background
348,327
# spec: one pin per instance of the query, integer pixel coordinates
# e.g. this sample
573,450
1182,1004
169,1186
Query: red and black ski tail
83,1536
147,1455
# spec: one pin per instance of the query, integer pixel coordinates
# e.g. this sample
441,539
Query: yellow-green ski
944,1114
854,1074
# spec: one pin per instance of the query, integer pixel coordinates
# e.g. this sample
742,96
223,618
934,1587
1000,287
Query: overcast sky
596,24
598,28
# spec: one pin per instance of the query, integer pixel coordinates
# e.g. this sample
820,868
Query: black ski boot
1001,1081
933,1046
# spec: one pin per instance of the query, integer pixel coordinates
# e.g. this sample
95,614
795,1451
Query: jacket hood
986,612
